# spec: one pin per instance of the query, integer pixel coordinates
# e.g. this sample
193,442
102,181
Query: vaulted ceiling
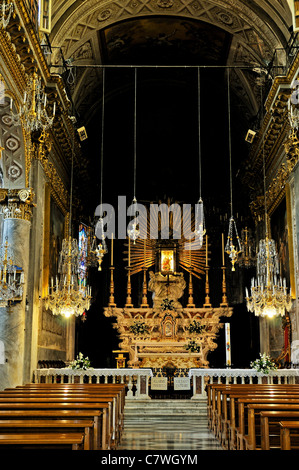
249,36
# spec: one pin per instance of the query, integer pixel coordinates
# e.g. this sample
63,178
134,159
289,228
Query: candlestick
222,250
206,250
129,261
227,344
112,249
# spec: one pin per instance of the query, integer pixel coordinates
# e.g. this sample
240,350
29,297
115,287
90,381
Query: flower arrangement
139,328
263,364
167,304
192,346
195,327
80,362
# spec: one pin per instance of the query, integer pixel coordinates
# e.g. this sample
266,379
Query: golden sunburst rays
167,225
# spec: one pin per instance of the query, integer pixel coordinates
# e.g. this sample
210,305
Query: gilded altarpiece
166,333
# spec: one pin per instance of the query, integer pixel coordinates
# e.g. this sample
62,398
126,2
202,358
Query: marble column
16,210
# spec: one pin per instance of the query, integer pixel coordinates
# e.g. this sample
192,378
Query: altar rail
201,377
137,380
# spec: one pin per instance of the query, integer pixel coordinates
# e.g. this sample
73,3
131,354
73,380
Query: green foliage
167,304
80,362
139,328
264,364
195,327
192,346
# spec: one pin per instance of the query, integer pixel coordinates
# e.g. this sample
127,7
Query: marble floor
167,433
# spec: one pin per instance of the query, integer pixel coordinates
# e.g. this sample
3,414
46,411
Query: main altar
162,332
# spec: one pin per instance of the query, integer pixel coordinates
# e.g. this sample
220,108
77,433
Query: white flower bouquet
80,362
263,364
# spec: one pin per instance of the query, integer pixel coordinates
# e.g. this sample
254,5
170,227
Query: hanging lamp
269,296
233,245
69,295
100,249
133,227
200,229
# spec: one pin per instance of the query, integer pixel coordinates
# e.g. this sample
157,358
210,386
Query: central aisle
167,425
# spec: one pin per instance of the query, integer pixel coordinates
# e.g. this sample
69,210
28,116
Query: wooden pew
114,391
222,397
288,433
52,397
240,428
40,426
269,424
65,405
260,416
46,415
118,390
18,440
217,401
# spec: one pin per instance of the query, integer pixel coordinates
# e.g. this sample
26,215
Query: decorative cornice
16,203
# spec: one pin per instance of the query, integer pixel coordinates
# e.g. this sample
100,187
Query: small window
45,7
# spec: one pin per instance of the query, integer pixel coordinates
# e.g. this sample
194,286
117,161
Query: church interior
149,199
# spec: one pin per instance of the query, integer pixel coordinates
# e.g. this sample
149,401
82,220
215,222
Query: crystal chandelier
6,10
133,227
233,246
98,250
11,277
269,296
69,295
133,230
33,113
247,258
200,229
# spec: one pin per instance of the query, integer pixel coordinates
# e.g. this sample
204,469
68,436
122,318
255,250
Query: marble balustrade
201,377
137,380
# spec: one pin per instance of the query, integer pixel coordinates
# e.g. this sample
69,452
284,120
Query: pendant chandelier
69,295
233,245
11,277
200,229
98,250
6,10
133,230
33,113
269,295
247,258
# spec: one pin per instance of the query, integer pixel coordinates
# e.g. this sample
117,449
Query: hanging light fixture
269,295
233,245
69,295
247,258
133,230
33,114
11,277
6,10
200,229
100,249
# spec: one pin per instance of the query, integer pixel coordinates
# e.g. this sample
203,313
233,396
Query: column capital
16,203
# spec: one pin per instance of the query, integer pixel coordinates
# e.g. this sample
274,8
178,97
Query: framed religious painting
167,261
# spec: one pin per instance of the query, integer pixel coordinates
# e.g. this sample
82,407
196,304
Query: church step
165,408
